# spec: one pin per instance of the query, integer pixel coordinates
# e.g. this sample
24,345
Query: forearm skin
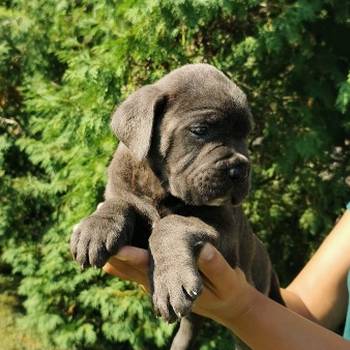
266,325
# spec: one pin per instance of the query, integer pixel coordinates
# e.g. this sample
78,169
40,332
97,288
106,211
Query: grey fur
171,189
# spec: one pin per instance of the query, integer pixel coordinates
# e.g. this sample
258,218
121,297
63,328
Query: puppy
176,181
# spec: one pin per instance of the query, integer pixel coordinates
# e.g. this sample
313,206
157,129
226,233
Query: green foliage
64,65
12,336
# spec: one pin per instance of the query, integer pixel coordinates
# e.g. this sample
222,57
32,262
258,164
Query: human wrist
245,318
228,295
239,306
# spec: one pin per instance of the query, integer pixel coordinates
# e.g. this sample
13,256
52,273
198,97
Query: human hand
226,294
131,263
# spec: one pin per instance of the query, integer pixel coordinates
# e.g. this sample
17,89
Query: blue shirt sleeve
347,323
346,333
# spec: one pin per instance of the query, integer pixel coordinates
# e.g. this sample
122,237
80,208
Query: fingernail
207,252
121,257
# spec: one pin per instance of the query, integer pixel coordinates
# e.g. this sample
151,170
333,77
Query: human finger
213,265
130,263
219,276
137,257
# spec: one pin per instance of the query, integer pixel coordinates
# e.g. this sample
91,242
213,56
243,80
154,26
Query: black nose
239,171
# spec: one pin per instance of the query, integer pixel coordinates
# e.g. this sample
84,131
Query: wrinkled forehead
203,88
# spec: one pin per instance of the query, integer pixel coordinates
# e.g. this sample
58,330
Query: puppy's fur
175,182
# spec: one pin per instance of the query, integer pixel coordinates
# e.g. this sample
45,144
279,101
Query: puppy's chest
220,218
171,205
153,211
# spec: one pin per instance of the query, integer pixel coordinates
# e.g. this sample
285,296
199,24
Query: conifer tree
64,65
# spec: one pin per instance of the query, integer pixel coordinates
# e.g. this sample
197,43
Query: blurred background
65,64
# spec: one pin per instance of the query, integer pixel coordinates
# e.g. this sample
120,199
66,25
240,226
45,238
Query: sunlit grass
12,337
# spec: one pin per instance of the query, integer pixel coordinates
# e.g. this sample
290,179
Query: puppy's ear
133,120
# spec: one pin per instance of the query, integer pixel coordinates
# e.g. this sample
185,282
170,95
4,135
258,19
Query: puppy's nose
239,171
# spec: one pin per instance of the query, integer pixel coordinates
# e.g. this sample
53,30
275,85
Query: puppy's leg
100,235
186,335
175,279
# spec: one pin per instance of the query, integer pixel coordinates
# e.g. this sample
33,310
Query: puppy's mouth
209,187
218,202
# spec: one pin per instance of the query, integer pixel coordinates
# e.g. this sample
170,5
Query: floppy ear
133,120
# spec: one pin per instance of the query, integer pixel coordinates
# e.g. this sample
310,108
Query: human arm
228,299
257,320
319,292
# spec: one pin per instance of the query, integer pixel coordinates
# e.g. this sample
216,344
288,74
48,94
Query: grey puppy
176,181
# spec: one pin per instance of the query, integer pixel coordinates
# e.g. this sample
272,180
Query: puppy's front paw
97,238
175,289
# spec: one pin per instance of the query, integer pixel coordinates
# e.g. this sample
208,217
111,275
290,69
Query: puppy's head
191,126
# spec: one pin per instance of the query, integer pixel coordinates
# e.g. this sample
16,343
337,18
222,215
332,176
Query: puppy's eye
199,130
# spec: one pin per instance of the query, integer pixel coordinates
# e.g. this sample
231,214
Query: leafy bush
64,65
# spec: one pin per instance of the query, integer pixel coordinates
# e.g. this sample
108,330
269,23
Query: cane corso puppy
176,181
